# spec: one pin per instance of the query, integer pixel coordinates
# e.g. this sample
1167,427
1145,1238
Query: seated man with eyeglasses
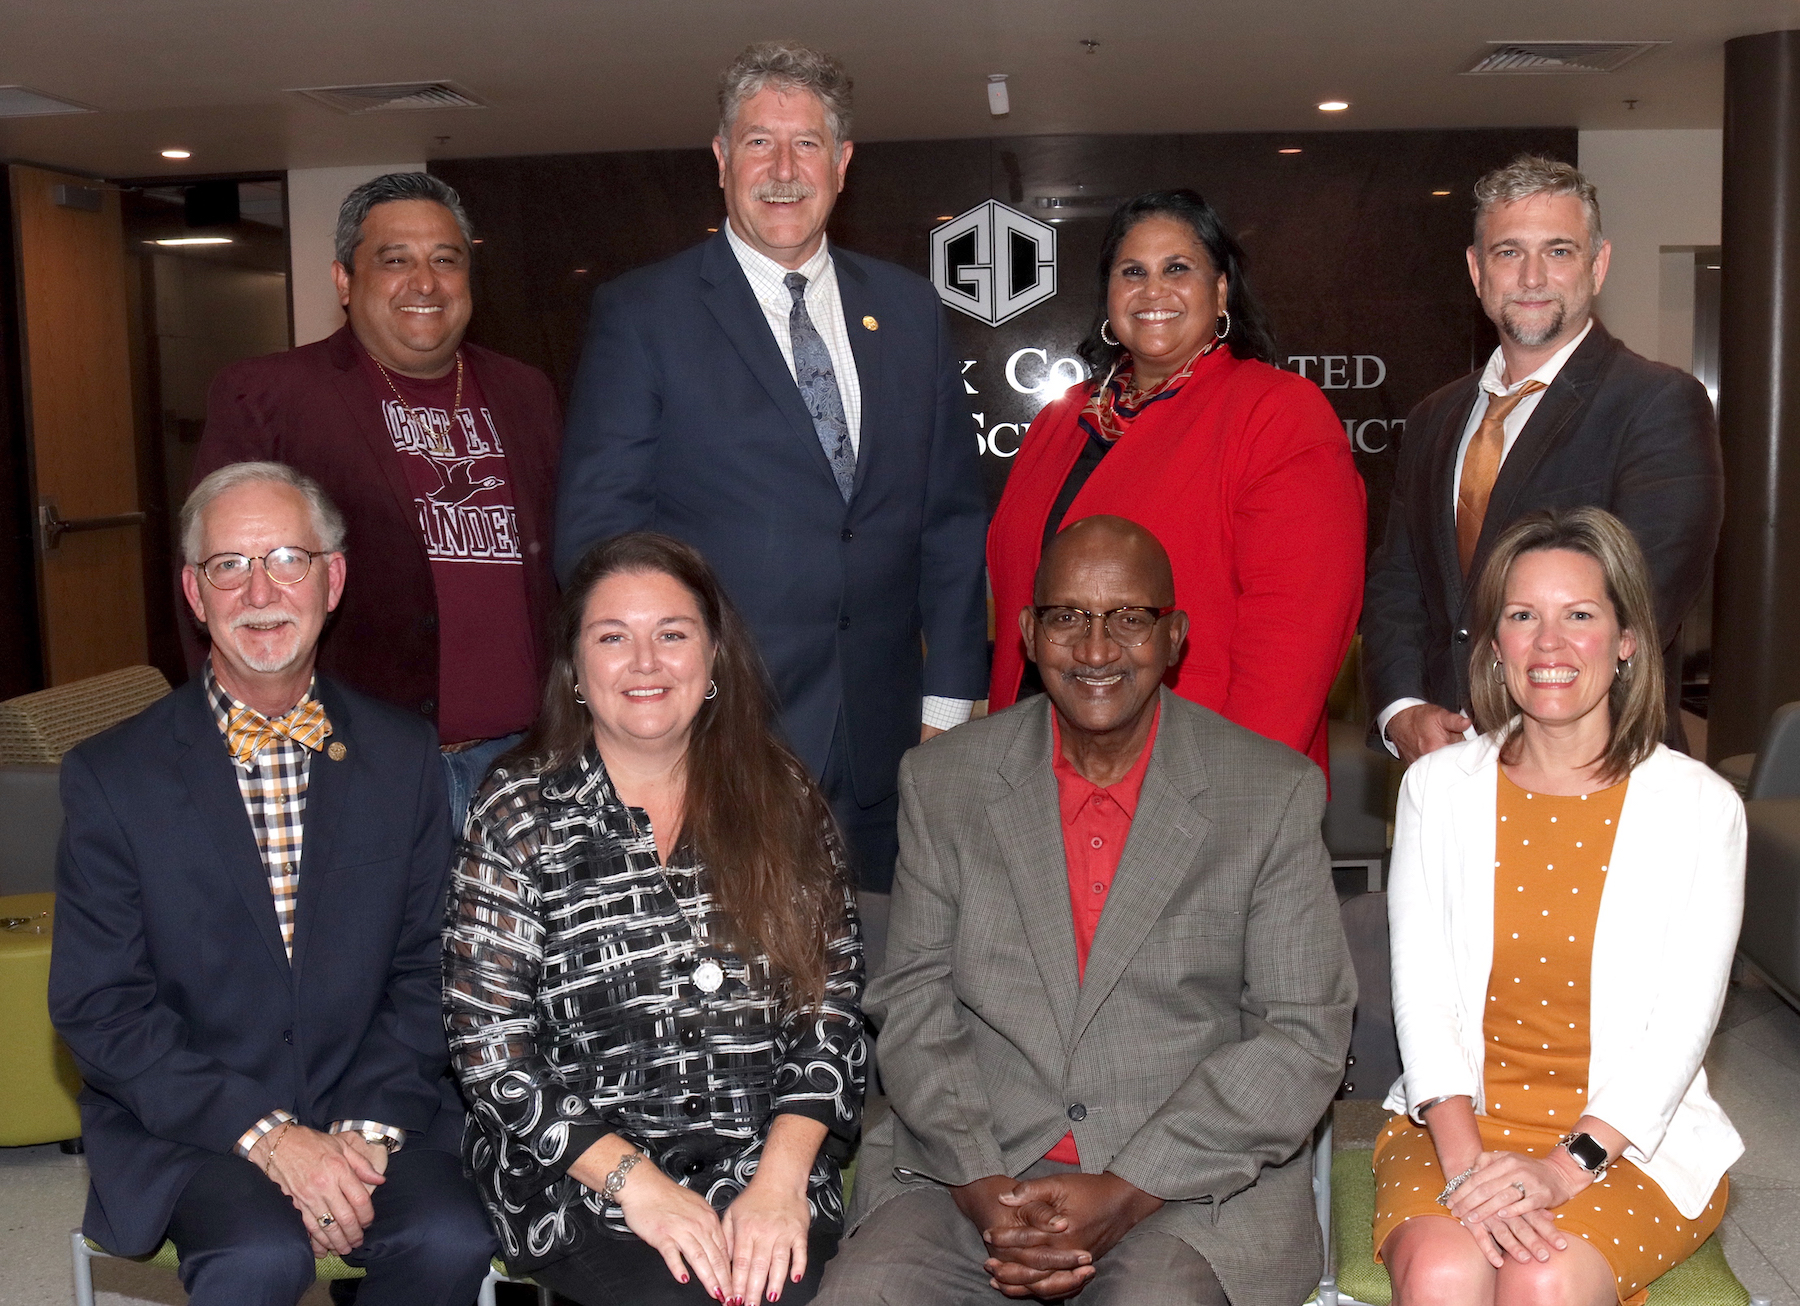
250,894
1117,996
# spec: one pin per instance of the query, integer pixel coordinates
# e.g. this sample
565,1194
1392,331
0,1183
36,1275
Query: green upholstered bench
1354,1275
86,1250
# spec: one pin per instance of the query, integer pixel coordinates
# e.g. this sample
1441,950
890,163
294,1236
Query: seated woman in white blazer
1564,903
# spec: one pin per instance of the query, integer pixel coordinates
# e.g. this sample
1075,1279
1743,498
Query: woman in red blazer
1240,469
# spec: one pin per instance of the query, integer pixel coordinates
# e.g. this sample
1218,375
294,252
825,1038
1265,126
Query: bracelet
281,1133
615,1181
1443,1198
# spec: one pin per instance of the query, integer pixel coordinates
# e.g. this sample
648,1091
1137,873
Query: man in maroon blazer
442,456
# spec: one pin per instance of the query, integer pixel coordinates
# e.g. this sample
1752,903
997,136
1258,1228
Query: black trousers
630,1272
871,834
242,1242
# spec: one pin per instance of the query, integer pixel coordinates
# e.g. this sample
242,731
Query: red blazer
1246,478
314,409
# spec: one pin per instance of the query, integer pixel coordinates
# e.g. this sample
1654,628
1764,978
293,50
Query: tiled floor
1753,1067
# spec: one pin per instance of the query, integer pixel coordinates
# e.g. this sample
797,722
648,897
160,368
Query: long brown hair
1635,700
752,816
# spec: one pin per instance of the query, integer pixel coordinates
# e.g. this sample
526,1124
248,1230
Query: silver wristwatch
1586,1151
615,1181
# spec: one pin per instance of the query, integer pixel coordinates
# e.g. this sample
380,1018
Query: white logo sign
993,262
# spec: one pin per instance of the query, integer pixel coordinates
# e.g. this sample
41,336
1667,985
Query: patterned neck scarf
1116,404
248,732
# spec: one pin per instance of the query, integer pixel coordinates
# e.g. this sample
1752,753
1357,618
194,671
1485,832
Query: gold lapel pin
870,324
337,752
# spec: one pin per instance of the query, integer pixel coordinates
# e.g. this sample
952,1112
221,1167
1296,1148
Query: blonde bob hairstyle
1635,701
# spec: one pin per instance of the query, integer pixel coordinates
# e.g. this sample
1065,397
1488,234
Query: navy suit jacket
1614,430
168,978
685,419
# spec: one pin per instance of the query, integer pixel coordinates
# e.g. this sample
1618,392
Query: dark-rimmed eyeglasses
230,571
1127,627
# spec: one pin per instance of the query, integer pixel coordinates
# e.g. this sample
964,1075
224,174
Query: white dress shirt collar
764,271
1492,376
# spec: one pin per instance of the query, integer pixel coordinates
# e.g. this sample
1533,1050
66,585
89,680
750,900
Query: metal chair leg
82,1264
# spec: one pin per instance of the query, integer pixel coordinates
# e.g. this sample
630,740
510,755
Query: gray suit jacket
1210,1031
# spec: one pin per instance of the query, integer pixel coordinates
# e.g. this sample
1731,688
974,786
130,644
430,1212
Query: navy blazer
1614,430
168,978
685,419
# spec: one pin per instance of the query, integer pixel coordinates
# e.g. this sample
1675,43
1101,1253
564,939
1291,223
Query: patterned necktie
819,388
1480,469
248,732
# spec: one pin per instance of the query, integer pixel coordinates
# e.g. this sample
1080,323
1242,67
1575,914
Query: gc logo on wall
993,262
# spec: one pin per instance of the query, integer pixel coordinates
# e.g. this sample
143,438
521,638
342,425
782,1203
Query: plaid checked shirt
273,787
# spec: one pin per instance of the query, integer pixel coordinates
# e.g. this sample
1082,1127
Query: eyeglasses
1127,627
230,571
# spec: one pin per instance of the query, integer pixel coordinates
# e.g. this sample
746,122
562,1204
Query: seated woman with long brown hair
1564,904
653,976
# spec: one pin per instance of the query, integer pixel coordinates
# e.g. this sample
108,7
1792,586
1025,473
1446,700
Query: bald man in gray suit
1117,996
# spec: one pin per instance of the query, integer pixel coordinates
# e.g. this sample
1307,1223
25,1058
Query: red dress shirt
1096,823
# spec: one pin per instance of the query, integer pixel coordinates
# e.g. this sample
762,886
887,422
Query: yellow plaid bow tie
248,732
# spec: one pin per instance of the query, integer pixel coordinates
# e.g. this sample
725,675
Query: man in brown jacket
442,456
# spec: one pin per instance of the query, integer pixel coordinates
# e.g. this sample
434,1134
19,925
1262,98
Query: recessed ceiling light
178,154
193,240
1292,149
943,217
1440,192
1334,106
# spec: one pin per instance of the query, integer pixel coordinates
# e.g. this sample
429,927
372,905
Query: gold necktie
1481,467
248,732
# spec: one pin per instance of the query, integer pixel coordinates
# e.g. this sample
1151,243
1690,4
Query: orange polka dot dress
1551,868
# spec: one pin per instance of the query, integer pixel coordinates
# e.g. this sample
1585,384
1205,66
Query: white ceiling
216,76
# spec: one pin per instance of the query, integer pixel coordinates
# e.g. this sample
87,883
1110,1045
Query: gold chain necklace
418,414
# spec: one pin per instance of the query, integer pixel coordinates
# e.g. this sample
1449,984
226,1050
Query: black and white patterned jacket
571,1011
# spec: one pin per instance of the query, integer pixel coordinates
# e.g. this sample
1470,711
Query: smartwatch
1586,1151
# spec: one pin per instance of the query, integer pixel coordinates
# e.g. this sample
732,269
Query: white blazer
1667,928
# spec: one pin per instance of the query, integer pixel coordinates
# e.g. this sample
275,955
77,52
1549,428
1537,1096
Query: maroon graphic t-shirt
463,506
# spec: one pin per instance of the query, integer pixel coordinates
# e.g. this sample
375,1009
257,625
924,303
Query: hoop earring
1623,668
578,698
1105,335
712,689
1498,676
1219,333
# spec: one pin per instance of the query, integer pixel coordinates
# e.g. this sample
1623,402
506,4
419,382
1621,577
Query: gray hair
1533,174
327,521
787,66
385,189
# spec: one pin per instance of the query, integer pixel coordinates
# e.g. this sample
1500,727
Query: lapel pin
870,324
336,752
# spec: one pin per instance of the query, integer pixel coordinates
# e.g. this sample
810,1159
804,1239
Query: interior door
78,420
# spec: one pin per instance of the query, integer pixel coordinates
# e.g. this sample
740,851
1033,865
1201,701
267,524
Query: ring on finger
1521,1188
327,1220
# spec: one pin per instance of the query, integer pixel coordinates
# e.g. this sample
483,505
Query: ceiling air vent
403,95
1529,58
23,102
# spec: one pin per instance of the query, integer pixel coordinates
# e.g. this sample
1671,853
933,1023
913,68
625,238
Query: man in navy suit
795,411
247,962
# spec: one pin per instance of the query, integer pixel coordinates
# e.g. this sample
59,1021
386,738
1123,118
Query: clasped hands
1507,1205
1045,1235
325,1174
